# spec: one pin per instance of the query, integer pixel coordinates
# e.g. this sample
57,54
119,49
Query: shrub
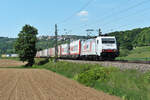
90,77
124,52
147,77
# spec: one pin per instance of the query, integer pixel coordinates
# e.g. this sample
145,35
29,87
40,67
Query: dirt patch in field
36,84
10,63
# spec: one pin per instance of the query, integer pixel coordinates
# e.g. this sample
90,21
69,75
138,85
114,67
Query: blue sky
109,15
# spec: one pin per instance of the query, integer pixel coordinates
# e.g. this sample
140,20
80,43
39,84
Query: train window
108,40
97,41
87,46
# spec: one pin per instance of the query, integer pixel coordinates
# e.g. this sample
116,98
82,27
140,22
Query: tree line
132,38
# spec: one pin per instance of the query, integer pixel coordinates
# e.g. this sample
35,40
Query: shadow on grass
46,60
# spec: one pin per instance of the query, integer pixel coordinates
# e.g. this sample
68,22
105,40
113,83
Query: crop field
41,84
10,63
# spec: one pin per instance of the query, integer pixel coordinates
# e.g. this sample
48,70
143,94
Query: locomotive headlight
103,50
115,50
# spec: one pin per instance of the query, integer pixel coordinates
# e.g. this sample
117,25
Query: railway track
118,61
139,62
142,66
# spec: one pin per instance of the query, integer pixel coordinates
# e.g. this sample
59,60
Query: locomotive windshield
108,40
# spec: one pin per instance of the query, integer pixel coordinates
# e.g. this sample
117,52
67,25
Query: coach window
87,46
97,41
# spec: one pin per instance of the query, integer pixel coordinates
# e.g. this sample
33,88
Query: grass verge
138,54
128,84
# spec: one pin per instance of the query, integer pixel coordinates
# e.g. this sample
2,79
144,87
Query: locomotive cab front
106,47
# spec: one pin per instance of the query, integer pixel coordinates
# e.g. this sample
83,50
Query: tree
127,45
25,45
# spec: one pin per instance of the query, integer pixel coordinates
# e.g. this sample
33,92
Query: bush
90,77
147,77
124,52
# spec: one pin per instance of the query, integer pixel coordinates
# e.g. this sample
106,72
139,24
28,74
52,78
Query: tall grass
138,53
128,84
66,69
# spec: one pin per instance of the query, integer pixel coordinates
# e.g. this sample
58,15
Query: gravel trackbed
38,84
120,65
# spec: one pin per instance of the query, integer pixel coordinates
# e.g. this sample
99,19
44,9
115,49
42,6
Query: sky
73,17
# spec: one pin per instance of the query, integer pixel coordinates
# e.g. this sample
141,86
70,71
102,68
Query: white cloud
83,13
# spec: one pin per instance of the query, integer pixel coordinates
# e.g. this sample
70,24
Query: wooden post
56,45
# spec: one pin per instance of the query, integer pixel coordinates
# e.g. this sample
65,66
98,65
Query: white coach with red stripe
75,47
64,49
88,47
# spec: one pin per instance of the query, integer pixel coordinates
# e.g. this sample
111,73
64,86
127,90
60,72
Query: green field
128,84
138,53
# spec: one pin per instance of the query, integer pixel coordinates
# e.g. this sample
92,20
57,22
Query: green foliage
127,45
25,45
67,69
128,84
145,37
131,83
138,53
124,52
133,38
6,45
147,77
90,77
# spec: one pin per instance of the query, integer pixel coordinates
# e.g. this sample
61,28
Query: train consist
99,48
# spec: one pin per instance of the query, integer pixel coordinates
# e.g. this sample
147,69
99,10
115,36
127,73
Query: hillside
6,44
138,53
49,41
133,38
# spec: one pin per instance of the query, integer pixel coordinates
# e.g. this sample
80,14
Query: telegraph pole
99,32
56,45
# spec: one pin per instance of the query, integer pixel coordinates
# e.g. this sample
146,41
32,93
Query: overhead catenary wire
125,17
108,11
122,11
114,8
121,26
87,4
82,8
109,16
